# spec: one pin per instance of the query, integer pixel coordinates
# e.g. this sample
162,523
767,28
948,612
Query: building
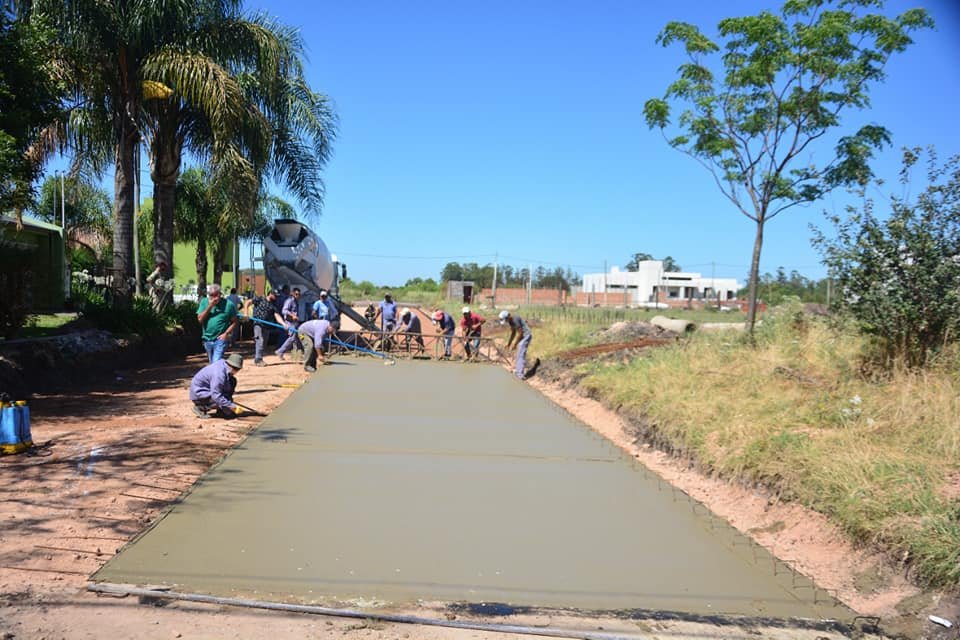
185,268
32,266
650,284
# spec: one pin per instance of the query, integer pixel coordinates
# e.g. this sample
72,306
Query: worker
213,388
387,312
265,310
291,317
334,316
446,326
470,326
520,330
217,317
410,328
315,332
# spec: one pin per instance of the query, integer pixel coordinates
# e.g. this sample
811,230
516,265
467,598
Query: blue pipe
329,339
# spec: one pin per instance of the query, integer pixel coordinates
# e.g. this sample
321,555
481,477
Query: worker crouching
314,333
213,388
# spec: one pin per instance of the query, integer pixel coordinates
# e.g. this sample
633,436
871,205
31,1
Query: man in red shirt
470,325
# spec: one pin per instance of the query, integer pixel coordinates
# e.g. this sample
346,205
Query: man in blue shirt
213,388
291,317
446,326
520,330
387,313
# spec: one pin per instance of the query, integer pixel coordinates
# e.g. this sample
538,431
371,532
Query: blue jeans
215,349
448,344
261,336
292,341
521,365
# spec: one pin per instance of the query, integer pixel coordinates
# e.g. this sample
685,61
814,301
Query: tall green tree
29,101
84,204
782,83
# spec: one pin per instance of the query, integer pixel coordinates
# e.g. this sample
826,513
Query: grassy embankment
880,458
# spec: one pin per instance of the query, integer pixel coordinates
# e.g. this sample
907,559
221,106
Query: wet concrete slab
448,482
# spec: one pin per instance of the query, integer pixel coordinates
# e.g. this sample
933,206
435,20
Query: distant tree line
509,276
774,287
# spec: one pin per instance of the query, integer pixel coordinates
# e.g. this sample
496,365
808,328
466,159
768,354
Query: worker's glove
239,411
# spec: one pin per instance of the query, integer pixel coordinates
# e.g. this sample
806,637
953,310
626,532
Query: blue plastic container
15,427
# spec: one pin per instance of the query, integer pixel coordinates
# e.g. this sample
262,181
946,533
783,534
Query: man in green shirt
218,317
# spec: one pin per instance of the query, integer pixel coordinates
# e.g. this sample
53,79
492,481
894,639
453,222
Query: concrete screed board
449,482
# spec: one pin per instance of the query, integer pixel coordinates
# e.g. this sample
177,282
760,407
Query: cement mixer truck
294,255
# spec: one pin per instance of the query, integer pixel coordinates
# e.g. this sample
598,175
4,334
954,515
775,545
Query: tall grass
881,459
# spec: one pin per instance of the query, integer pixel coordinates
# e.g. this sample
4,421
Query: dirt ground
117,450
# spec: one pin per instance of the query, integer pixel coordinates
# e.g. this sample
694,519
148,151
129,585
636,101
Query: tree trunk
165,154
123,199
127,138
201,267
754,278
219,253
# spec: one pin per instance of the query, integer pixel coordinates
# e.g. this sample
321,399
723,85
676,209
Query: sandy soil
118,450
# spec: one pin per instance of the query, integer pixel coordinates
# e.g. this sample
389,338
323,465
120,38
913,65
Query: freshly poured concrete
432,481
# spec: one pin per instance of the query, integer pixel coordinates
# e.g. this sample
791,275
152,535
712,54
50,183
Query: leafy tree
29,101
784,82
669,264
451,271
900,277
635,261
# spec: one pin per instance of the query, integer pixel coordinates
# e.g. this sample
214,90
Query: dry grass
794,413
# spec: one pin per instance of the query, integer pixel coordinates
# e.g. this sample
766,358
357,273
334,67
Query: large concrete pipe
672,324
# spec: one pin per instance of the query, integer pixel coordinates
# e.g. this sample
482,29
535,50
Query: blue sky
516,128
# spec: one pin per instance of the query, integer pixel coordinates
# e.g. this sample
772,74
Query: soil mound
629,331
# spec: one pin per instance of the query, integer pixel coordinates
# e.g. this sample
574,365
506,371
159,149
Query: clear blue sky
469,129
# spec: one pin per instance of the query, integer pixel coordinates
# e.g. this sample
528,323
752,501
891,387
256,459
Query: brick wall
508,295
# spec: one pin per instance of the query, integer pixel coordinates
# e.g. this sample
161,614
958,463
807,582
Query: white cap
466,310
323,292
503,315
404,311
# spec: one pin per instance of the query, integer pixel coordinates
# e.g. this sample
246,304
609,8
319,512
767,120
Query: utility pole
604,283
496,259
136,220
63,225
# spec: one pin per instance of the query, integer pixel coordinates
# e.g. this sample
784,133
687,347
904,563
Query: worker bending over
471,325
520,330
446,326
213,388
410,327
315,332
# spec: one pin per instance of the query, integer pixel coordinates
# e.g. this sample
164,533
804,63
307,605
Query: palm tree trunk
201,267
123,200
219,254
165,153
127,140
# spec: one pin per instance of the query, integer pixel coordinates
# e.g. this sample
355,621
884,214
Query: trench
440,482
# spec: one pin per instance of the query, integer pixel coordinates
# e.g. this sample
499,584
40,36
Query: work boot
200,413
309,369
281,356
259,363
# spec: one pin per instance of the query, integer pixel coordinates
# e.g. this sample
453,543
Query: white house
650,284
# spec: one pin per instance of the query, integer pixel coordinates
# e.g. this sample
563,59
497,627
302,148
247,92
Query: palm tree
106,48
199,200
239,102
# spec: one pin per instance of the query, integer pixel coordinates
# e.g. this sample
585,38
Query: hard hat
503,315
466,309
438,316
405,311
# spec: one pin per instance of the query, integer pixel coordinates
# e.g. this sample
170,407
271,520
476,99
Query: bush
900,277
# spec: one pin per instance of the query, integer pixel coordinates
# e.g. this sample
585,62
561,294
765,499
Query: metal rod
122,589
